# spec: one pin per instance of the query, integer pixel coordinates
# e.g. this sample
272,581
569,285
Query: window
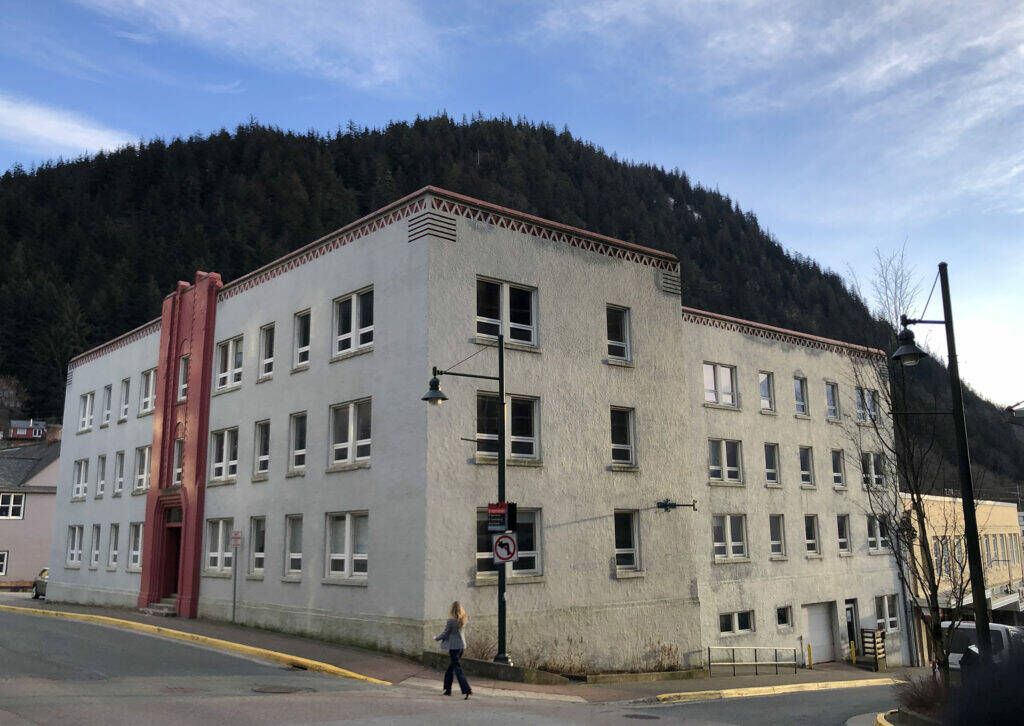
887,616
12,506
618,332
266,351
350,421
766,386
627,536
301,342
528,533
179,455
126,386
142,455
293,544
623,451
118,472
800,394
777,534
806,466
843,528
94,552
297,439
108,394
728,531
85,412
498,302
346,544
741,622
838,469
353,321
74,544
257,545
878,534
523,425
101,474
112,545
183,378
81,474
262,448
224,455
784,616
729,450
720,384
3,562
871,467
811,534
832,401
218,544
771,463
867,405
135,546
147,392
229,363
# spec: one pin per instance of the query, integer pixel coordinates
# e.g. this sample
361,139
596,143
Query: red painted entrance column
186,329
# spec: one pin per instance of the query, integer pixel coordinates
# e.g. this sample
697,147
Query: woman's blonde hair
458,614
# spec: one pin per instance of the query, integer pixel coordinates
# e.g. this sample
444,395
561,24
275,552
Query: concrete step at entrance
173,600
159,608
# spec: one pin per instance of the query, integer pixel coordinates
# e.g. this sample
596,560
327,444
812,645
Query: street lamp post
434,396
910,355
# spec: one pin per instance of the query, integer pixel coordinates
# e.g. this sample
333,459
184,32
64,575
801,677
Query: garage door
819,631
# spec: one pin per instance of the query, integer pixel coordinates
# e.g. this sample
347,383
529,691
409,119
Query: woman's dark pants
455,668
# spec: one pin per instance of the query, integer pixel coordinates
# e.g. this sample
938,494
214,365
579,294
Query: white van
1007,641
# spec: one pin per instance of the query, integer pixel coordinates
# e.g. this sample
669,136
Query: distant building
28,488
31,430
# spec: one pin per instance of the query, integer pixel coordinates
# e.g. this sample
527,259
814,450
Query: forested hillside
88,248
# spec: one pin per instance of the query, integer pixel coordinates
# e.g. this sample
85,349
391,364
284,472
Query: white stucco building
285,405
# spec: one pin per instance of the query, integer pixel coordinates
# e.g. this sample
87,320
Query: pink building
28,488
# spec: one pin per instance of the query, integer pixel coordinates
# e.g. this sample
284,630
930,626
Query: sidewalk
404,671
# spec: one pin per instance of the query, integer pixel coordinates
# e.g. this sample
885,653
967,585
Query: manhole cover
277,689
641,716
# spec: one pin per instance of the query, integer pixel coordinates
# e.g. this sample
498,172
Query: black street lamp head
908,353
434,395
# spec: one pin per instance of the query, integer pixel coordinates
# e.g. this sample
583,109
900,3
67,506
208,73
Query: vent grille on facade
433,224
71,373
669,282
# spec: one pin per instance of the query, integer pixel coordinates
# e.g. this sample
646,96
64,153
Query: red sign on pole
497,516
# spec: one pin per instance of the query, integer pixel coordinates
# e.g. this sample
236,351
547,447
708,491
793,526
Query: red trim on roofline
141,329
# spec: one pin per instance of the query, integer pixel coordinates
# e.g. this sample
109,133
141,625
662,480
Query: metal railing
760,657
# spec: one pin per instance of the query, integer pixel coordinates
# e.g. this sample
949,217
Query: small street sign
497,516
236,539
505,547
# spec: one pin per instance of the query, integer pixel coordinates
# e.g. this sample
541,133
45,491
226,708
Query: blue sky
844,127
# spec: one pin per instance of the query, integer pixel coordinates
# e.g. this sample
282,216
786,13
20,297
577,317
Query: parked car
39,585
1007,641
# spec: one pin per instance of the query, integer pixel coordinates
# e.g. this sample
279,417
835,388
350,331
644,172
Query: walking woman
452,640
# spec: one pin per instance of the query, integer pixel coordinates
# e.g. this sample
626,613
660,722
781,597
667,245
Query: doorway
172,559
851,624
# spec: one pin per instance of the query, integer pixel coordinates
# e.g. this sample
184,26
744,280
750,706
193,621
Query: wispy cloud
141,38
367,45
52,130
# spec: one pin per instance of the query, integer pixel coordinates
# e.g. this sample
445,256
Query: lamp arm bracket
438,373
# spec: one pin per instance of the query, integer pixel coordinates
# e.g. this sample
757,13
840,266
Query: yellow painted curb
882,720
285,658
773,690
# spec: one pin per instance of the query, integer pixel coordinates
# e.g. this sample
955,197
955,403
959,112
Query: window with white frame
838,468
147,392
350,432
872,472
724,460
135,546
777,534
353,321
627,539
12,506
300,340
623,449
806,465
297,441
528,533
887,615
101,474
224,458
142,457
126,386
832,401
843,532
266,355
720,384
257,545
729,534
867,404
771,463
179,456
878,534
113,545
118,472
182,378
3,562
811,542
229,363
81,474
85,410
94,551
766,388
261,448
784,616
522,426
800,395
108,394
618,332
74,553
735,623
218,544
293,544
506,309
347,534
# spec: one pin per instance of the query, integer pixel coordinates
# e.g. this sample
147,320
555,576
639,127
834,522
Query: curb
772,690
882,718
273,655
